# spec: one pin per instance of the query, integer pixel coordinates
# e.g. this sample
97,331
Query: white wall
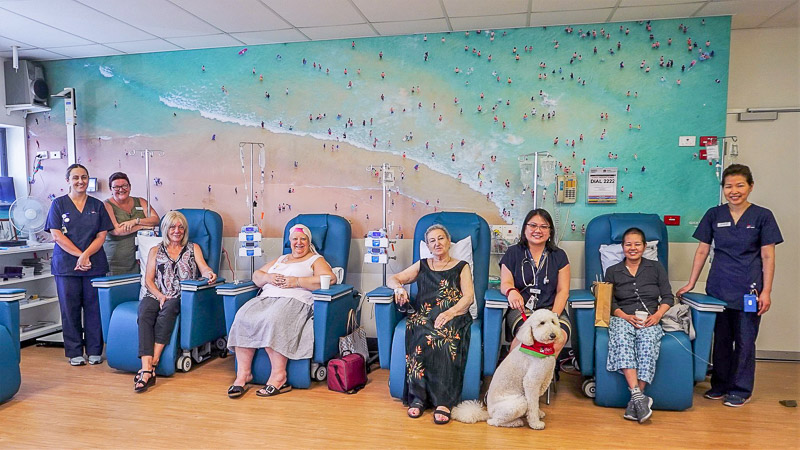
15,140
765,72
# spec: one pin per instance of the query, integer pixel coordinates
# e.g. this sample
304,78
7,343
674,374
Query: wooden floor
95,406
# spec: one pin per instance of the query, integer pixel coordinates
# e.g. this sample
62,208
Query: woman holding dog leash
534,274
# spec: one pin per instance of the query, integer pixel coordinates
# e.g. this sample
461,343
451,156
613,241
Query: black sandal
145,385
417,406
236,391
271,391
441,412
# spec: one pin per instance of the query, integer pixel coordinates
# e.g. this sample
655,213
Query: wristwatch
398,290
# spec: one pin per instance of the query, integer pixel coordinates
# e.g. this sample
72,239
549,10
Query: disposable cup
324,281
641,315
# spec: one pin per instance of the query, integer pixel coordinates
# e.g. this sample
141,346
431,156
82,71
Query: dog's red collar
538,349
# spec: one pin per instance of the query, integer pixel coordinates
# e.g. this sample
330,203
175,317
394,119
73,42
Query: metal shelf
27,249
26,279
39,332
39,302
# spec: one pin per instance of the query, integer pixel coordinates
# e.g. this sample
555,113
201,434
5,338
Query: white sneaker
95,359
77,361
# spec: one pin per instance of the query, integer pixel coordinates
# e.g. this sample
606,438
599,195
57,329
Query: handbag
347,374
356,339
602,308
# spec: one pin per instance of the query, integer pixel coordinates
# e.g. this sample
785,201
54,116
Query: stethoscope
544,262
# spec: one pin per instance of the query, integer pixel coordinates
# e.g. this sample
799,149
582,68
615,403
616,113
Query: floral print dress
436,358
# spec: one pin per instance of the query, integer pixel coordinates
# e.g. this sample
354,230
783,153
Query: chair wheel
185,363
321,374
221,343
588,387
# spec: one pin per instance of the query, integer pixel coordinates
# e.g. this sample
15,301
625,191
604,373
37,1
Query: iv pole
384,170
147,154
251,202
535,173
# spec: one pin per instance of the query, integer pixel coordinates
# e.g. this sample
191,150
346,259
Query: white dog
519,381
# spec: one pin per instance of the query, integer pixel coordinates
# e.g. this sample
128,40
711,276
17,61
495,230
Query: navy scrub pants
734,355
76,295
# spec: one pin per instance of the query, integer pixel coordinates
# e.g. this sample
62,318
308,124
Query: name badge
536,291
723,224
139,208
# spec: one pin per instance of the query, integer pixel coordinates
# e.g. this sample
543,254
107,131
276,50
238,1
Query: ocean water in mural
461,106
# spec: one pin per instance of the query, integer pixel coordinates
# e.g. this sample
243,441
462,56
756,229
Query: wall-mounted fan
28,217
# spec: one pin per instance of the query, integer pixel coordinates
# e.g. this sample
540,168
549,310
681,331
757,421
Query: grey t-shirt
650,283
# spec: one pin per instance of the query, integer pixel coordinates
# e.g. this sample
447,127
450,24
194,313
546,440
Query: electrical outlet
41,155
505,231
687,141
55,155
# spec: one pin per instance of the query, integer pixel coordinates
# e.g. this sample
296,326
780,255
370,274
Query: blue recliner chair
10,378
391,325
330,235
200,326
681,362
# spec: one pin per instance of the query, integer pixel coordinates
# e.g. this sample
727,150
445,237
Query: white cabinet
40,316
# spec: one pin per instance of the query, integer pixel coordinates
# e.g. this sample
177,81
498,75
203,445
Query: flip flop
237,391
441,412
271,391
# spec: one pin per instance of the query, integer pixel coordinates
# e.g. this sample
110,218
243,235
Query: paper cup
324,281
641,315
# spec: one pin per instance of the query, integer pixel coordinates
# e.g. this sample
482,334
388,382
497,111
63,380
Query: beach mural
453,112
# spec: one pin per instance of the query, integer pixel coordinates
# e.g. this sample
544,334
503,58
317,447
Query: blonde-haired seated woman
173,260
281,318
438,327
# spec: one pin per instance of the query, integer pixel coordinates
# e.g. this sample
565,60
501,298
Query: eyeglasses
534,226
122,187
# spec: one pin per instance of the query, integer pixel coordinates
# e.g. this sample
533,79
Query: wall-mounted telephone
567,188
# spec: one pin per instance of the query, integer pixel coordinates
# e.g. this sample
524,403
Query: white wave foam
104,138
106,71
514,140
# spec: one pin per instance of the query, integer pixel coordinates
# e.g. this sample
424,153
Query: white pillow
461,250
613,254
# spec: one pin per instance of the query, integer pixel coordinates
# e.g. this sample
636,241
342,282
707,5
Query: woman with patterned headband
281,318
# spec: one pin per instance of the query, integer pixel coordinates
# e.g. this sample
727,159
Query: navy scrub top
518,261
81,228
737,250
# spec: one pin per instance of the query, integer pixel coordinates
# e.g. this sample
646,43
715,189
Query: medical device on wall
250,241
70,116
377,242
146,154
567,188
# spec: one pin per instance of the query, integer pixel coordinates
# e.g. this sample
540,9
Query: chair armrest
702,302
335,292
704,311
581,299
382,294
495,299
234,295
116,280
386,318
200,284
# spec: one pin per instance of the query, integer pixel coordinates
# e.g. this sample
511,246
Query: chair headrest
330,235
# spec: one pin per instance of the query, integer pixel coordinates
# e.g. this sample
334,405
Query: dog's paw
541,414
537,425
512,424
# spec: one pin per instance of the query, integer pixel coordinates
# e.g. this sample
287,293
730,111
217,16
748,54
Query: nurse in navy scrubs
744,237
79,224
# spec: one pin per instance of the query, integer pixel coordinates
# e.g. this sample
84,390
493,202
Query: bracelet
508,291
137,221
398,290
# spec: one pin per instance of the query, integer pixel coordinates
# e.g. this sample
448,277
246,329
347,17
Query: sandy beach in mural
324,181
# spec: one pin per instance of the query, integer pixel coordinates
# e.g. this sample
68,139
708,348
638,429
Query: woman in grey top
128,214
641,296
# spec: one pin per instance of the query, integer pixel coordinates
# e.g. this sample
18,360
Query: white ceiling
59,29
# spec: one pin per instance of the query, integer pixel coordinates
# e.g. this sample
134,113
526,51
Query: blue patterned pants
633,348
